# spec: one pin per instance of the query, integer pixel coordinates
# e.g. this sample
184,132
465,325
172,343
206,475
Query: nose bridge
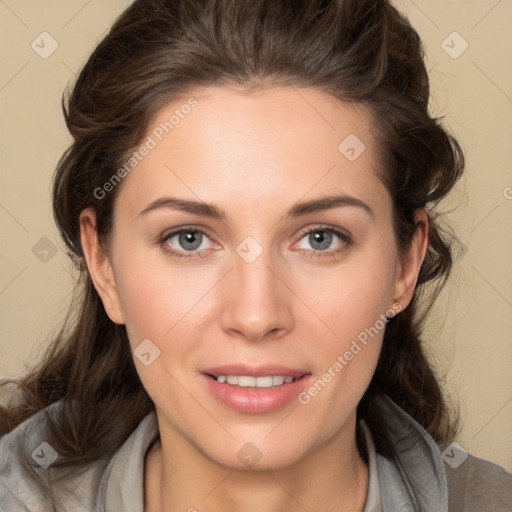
258,303
255,281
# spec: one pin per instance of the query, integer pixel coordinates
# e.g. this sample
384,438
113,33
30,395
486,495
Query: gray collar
374,497
123,481
414,478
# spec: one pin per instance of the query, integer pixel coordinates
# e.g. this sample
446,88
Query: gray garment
415,479
373,498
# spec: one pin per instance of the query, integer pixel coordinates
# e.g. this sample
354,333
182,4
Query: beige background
470,332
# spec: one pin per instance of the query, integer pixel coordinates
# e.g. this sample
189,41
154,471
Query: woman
250,199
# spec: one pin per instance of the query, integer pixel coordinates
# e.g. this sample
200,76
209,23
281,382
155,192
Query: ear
100,268
408,268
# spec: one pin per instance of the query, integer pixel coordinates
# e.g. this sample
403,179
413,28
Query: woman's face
286,266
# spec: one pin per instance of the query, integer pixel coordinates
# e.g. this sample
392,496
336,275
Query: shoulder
438,477
476,484
16,487
26,459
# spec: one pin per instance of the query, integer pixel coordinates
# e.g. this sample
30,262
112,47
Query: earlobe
409,267
99,266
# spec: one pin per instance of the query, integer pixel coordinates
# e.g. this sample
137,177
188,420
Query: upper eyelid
324,227
175,231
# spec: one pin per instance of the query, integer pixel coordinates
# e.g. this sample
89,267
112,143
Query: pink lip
252,399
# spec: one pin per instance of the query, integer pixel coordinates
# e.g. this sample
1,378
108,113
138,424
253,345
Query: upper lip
255,371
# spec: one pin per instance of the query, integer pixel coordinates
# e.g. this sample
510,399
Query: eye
186,240
324,241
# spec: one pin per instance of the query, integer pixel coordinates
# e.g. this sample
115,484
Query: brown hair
361,51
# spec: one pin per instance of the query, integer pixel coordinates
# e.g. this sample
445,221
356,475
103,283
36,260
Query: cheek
352,305
355,295
144,302
154,295
161,306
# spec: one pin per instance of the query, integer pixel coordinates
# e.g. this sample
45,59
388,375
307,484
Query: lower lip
255,400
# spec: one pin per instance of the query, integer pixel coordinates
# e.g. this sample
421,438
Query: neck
331,478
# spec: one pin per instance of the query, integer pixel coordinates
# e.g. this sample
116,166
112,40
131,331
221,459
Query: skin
255,155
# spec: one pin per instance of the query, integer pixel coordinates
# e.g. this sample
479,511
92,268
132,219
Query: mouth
255,389
250,381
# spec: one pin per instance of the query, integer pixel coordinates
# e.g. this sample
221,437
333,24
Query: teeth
246,381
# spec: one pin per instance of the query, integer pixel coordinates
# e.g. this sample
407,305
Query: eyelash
309,253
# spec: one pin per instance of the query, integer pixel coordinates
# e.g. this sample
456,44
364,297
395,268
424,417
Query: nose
257,303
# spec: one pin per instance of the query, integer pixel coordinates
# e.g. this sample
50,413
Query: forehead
220,144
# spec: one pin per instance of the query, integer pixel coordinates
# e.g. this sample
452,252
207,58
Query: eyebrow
302,208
